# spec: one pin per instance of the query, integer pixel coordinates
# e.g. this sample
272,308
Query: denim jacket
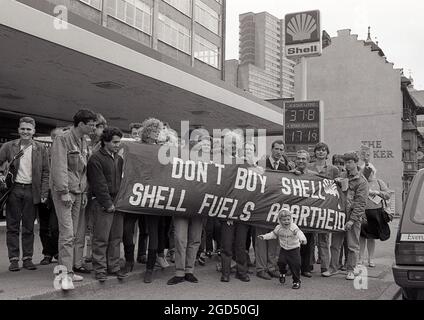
69,156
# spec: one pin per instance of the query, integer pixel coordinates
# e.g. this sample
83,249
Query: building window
182,5
206,51
174,34
207,17
93,3
136,13
406,145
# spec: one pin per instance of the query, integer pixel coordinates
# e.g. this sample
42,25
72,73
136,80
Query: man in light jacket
68,184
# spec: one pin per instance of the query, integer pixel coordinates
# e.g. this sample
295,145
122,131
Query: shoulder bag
6,186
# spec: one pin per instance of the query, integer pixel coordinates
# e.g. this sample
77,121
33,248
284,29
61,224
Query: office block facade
264,70
190,31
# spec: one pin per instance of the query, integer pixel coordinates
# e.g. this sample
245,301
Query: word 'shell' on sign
234,192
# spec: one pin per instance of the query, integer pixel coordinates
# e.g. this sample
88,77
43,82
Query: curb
393,292
90,285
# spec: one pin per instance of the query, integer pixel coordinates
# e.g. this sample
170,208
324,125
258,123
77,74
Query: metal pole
304,79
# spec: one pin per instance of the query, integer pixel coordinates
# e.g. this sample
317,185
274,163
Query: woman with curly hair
157,226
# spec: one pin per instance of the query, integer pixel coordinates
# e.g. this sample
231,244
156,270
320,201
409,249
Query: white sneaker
350,276
77,278
67,283
329,273
162,262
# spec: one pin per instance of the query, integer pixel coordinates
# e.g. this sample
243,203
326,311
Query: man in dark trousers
233,233
266,252
306,250
30,187
104,173
49,227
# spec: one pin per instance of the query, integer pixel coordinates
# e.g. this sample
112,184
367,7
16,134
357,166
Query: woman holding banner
324,169
233,233
150,134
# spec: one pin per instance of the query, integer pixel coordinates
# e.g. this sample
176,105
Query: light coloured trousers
266,252
352,237
188,234
68,219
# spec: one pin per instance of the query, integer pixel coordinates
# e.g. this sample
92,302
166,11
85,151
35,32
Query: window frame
166,40
205,44
198,6
135,8
88,3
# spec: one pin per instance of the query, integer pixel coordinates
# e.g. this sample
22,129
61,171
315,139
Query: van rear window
418,214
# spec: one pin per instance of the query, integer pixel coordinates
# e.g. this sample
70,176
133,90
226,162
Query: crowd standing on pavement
71,187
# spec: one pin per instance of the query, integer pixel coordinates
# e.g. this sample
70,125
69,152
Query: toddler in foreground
290,238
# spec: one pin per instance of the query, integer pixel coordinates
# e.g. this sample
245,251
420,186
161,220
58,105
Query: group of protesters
71,187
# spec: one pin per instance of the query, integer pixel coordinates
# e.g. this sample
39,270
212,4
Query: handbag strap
383,201
21,153
379,184
17,156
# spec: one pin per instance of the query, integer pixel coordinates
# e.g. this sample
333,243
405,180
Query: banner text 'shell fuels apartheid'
229,192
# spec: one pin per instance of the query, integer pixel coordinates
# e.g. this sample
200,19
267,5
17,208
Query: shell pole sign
303,34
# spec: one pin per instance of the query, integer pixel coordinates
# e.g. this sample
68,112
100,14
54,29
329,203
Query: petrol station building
50,68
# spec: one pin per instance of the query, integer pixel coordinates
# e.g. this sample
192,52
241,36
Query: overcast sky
398,25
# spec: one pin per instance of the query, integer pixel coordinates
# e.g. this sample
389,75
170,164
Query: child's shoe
296,285
282,278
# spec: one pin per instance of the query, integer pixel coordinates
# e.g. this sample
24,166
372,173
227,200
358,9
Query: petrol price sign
302,124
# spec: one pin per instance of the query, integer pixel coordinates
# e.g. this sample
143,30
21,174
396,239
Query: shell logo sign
303,34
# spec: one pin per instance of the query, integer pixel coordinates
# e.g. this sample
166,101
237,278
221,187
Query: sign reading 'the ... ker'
303,34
